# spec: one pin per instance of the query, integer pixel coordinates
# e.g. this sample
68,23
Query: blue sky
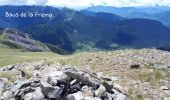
80,4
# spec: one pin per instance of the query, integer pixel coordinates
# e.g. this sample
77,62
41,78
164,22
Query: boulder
19,85
119,96
36,95
87,91
49,91
75,88
19,94
3,85
7,95
100,91
68,84
58,77
82,77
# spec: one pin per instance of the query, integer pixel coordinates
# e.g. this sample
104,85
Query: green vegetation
12,76
12,56
106,62
2,37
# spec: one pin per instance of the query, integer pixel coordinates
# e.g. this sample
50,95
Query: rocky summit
116,75
57,82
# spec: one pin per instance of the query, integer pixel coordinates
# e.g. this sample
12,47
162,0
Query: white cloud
14,2
78,4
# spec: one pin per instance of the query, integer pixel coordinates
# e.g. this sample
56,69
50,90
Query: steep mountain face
73,30
14,38
17,39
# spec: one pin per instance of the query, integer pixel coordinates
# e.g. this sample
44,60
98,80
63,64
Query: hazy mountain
159,13
163,17
104,16
126,10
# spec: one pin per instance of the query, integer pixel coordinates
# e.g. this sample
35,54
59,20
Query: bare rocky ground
119,75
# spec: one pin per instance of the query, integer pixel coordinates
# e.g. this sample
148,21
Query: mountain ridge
73,30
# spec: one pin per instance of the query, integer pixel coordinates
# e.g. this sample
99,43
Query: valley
72,30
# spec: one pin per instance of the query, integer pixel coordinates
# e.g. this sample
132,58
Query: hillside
16,39
139,74
11,56
143,33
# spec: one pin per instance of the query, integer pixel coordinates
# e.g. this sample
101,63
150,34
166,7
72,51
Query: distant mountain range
72,30
159,13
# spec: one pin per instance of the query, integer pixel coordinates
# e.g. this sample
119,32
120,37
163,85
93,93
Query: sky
80,4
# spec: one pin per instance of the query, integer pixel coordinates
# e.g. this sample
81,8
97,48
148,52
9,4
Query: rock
19,94
164,88
85,88
67,84
73,82
36,95
49,91
7,95
3,85
118,87
135,66
99,75
41,66
108,87
75,88
114,78
70,97
58,77
36,74
21,75
75,96
101,90
19,85
118,96
87,91
106,78
8,68
82,77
